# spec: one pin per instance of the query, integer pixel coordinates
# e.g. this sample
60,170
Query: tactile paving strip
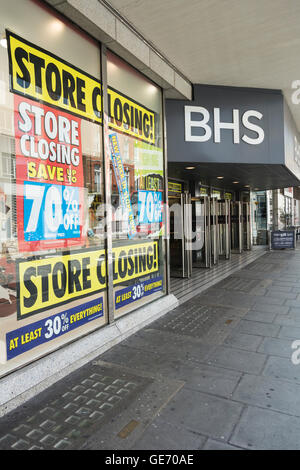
70,412
196,321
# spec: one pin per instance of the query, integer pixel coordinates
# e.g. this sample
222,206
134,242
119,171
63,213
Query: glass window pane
137,185
52,269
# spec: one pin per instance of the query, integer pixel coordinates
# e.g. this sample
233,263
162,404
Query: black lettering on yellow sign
174,187
151,182
42,76
50,282
130,117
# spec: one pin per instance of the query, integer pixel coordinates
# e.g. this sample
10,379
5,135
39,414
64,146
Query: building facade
113,178
82,185
230,149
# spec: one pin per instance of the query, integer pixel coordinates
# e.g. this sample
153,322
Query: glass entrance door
201,247
214,235
224,228
180,235
236,227
247,245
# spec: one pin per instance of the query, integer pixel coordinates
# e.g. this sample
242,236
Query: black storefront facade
227,149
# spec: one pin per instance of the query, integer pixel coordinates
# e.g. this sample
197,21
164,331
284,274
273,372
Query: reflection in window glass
259,217
52,266
135,139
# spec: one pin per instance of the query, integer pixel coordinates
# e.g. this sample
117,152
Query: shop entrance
204,230
214,230
240,226
246,226
236,227
180,235
201,232
192,238
211,229
224,238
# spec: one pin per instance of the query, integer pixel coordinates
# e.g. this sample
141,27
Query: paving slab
258,328
294,310
238,359
296,290
165,436
139,360
289,319
261,429
281,295
282,368
206,414
276,347
243,341
237,299
166,343
268,392
269,301
292,303
208,378
274,308
264,317
279,288
291,332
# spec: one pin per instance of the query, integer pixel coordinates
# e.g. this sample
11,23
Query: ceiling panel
254,177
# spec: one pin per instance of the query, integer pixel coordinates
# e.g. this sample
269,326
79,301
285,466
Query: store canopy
233,137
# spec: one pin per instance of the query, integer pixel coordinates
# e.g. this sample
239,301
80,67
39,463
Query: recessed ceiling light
220,177
190,167
247,185
152,89
235,182
56,26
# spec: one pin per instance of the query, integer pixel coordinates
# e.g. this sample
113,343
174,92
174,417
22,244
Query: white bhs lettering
218,125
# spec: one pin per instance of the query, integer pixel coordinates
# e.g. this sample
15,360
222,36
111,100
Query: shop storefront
82,185
232,147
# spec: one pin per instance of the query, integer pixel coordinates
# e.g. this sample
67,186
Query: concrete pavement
214,373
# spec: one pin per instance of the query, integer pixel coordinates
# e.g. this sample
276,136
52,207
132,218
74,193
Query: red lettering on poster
49,177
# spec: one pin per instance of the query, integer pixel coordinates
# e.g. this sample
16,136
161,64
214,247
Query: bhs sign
199,117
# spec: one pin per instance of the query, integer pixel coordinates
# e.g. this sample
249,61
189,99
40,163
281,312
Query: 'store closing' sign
49,174
52,281
42,76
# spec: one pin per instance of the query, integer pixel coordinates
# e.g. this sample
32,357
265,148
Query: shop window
137,185
52,239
